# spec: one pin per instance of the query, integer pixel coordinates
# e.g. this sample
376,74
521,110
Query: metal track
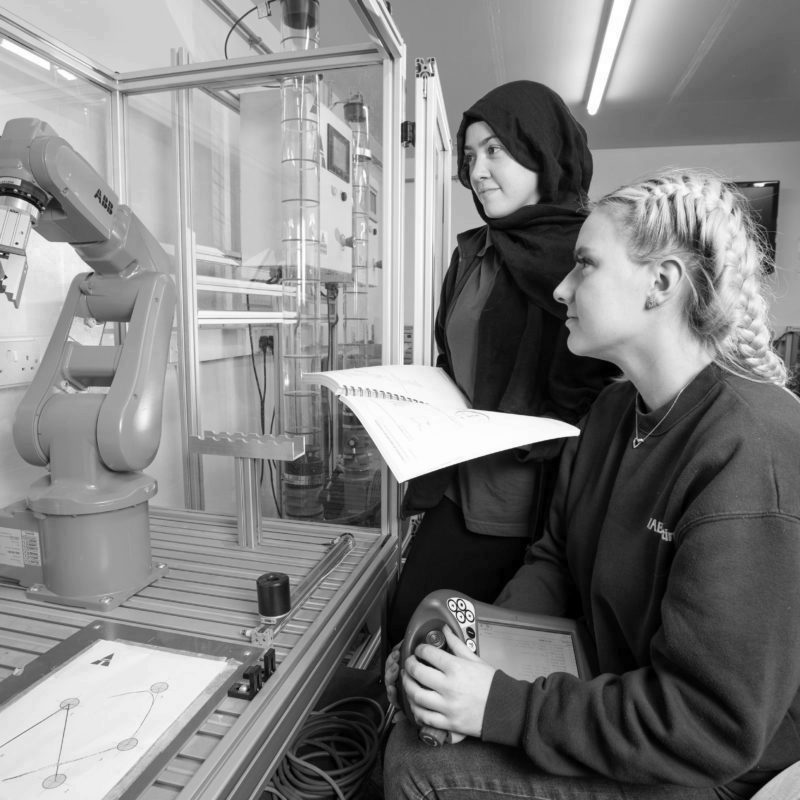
210,591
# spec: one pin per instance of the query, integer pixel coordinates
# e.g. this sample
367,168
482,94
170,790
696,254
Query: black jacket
523,364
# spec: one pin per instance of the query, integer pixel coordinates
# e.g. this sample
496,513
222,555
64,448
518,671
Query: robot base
95,561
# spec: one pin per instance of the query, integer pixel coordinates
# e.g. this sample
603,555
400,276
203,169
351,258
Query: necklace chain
637,440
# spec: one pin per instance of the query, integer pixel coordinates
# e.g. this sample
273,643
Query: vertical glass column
358,456
302,329
355,327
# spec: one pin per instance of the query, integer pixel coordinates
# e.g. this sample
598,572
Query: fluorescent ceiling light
12,47
68,76
608,52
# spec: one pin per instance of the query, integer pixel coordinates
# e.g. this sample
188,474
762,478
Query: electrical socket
19,360
262,339
266,344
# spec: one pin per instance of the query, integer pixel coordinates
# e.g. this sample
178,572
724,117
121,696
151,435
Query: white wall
738,162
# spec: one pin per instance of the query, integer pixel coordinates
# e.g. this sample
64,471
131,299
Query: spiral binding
379,394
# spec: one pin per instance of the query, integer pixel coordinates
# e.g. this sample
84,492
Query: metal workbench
209,591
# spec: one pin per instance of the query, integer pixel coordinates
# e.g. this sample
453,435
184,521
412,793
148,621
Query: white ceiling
688,71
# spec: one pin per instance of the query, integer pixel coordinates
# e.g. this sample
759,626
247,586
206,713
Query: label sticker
20,548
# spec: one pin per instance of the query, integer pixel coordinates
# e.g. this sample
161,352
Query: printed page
82,730
415,438
421,383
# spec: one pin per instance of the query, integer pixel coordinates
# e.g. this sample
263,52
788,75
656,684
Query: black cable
271,465
261,391
262,407
261,388
233,28
333,756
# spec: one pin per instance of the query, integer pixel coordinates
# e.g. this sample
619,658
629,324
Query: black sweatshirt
683,558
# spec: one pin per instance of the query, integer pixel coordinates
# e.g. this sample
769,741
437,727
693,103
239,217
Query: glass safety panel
286,247
152,191
143,34
35,86
38,87
269,194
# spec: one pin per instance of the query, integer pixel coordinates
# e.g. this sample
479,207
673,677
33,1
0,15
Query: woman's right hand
391,674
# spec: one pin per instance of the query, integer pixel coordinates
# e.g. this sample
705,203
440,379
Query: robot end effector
22,200
17,217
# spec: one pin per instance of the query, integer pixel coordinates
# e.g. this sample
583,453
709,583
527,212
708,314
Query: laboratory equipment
208,590
302,338
352,491
323,219
92,414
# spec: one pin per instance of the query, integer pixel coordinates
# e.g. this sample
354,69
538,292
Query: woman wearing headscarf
501,337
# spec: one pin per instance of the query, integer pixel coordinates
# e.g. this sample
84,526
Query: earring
650,302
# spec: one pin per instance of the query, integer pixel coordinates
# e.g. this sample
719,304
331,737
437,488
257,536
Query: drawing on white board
85,728
54,776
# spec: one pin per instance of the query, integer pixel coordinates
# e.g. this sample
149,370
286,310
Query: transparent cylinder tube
302,331
356,292
299,24
358,455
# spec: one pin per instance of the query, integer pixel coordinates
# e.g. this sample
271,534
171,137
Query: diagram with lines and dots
87,729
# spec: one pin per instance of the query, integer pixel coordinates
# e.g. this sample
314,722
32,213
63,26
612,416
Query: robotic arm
92,413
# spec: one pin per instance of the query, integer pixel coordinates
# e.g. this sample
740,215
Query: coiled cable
334,754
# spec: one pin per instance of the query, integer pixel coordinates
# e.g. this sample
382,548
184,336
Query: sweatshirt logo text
658,526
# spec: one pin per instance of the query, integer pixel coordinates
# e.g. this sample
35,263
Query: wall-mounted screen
763,198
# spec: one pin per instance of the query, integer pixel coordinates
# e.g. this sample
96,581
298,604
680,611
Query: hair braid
707,221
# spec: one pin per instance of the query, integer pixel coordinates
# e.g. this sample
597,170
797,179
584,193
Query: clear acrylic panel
77,109
152,191
79,112
286,222
114,39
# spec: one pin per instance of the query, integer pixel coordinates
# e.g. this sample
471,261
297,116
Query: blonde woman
674,536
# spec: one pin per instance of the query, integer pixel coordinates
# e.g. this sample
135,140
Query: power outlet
262,340
19,360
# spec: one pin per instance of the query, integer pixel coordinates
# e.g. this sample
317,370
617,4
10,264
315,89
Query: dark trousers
444,555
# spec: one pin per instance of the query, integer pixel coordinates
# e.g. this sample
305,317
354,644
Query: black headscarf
536,242
536,127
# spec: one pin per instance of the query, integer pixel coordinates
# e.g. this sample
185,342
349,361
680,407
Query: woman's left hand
447,690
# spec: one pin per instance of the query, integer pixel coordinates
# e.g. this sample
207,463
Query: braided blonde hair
699,216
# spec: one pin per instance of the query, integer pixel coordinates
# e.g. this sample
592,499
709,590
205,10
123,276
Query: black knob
273,594
436,638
